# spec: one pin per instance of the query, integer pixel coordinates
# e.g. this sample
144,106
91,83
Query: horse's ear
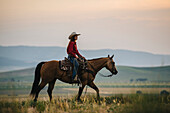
108,56
112,56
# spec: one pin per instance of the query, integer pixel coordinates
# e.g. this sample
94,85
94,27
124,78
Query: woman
73,53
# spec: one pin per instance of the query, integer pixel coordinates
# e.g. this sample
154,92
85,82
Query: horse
50,71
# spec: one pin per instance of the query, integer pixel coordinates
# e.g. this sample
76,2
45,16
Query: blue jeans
75,64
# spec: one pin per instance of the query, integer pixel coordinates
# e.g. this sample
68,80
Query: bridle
101,73
113,64
111,71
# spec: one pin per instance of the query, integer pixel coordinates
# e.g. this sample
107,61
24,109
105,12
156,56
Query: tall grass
142,103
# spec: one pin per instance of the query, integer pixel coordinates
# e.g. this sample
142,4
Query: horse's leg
80,92
50,88
41,86
92,85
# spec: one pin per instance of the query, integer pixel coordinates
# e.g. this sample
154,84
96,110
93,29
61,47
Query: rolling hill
126,74
29,56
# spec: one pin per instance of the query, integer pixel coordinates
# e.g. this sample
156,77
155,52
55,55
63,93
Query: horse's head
111,65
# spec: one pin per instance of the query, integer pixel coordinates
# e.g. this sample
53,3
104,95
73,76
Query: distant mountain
12,62
7,64
32,54
131,58
26,55
126,74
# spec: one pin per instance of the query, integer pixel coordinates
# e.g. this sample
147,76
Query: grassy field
124,91
15,99
24,88
118,93
132,103
113,100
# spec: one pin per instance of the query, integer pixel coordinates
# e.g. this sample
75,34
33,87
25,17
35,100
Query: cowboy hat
73,34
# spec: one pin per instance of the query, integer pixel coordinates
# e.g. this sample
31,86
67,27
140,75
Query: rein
105,75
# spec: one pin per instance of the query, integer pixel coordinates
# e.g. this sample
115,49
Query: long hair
73,38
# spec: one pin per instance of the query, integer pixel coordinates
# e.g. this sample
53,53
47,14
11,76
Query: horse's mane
95,59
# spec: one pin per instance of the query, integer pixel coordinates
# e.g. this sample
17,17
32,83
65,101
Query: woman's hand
77,57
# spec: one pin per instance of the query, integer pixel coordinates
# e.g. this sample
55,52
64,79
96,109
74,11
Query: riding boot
74,80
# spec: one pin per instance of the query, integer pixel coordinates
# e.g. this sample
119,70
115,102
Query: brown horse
50,71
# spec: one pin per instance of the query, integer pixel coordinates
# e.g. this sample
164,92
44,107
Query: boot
76,78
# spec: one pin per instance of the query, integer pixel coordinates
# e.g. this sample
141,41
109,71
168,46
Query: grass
28,85
133,103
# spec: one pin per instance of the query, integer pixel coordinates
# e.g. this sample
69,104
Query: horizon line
82,49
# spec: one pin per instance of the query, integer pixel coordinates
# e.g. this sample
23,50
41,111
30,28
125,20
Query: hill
138,74
18,75
126,74
31,55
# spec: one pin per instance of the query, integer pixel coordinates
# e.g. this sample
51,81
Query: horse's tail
36,79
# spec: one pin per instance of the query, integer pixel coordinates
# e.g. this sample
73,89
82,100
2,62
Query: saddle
66,65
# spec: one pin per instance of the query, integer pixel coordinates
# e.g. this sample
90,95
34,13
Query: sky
138,25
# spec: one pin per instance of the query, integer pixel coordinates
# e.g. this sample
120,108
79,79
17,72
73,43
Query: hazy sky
140,25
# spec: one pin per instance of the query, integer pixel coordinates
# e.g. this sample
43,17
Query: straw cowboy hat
73,34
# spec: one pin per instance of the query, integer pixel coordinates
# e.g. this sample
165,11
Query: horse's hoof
79,101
